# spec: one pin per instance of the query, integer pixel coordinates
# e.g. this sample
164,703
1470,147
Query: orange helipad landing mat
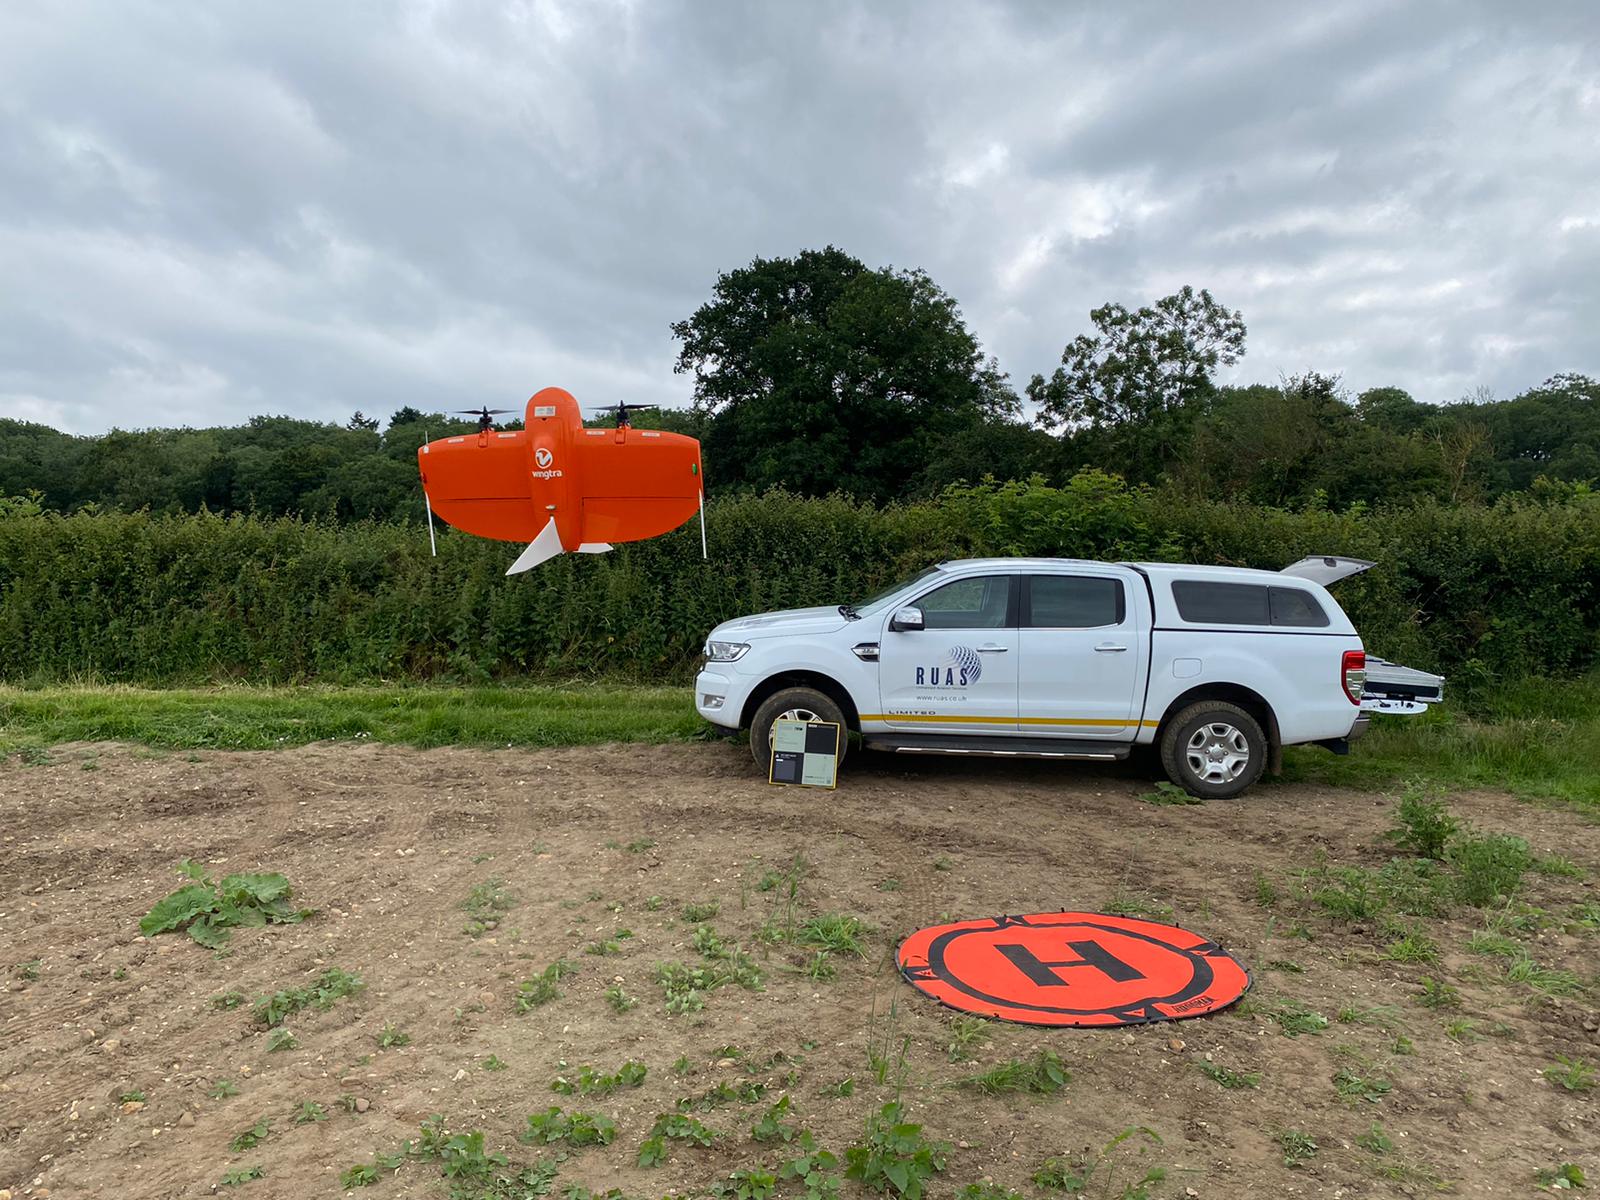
1072,968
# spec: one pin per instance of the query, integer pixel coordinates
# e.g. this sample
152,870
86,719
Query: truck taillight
1353,674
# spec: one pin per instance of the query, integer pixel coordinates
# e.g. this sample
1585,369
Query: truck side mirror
906,620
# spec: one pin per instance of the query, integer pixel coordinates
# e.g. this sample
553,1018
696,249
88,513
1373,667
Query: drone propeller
622,408
485,415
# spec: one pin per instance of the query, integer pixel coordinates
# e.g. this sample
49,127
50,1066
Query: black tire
1203,745
798,703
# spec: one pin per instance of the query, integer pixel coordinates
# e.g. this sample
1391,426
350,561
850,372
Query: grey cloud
213,210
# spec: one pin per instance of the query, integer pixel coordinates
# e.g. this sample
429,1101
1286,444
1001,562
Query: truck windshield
877,599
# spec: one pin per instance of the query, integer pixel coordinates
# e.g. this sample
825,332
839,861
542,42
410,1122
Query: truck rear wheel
792,704
1213,749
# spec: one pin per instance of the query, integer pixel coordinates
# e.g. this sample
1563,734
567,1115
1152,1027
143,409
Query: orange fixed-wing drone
560,487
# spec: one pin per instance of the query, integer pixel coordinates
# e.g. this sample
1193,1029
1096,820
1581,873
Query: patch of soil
386,843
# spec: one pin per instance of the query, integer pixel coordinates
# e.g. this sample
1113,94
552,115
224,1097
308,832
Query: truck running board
995,747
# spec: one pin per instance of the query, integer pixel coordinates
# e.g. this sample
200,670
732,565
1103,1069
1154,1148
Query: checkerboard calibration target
805,753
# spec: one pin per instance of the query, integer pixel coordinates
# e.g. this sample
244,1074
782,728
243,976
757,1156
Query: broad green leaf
192,869
181,906
209,933
260,888
247,915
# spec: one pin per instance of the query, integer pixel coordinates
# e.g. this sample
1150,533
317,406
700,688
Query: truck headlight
725,651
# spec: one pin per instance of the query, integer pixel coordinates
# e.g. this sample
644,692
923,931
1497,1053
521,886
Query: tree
818,374
359,422
1393,409
1140,380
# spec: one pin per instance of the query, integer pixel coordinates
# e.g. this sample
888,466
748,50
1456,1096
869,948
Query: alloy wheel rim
1218,752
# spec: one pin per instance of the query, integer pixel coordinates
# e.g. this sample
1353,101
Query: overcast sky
210,210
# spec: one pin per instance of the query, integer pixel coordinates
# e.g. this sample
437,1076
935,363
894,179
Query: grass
542,988
589,1082
1041,1075
1438,994
1297,1146
1296,1019
333,984
1414,946
1488,942
484,905
1361,1087
1573,1074
266,718
837,933
967,1034
619,1000
1537,738
1232,1080
1549,980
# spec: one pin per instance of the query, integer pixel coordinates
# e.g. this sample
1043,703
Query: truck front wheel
1213,749
792,704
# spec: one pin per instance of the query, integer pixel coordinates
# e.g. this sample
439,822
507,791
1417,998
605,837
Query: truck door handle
1109,648
991,648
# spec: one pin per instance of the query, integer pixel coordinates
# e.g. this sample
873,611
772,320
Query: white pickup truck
1056,658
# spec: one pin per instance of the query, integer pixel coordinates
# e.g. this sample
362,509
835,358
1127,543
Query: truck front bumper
719,698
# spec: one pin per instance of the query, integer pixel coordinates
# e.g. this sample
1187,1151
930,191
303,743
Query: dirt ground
386,843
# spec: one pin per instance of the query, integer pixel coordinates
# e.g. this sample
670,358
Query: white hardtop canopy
1318,568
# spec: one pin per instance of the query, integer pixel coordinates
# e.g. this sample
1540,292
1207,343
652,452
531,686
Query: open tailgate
1398,690
1390,688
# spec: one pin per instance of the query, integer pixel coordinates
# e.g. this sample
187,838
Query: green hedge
1482,593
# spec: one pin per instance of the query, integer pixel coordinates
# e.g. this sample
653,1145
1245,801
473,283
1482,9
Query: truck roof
1153,569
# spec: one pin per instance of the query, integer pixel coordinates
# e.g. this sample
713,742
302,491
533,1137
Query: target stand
805,753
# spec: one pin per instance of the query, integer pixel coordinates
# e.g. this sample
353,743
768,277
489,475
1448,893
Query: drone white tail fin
543,548
594,547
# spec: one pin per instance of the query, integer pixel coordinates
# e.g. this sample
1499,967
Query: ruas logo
962,667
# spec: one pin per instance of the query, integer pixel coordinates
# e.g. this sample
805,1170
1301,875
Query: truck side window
1201,602
1074,602
1291,606
978,603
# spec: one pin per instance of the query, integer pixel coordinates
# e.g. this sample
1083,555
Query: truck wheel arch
1233,693
828,686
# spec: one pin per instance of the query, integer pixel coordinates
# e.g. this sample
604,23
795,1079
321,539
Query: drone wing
636,483
480,484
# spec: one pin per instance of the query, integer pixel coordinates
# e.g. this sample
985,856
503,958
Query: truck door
958,673
1082,656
